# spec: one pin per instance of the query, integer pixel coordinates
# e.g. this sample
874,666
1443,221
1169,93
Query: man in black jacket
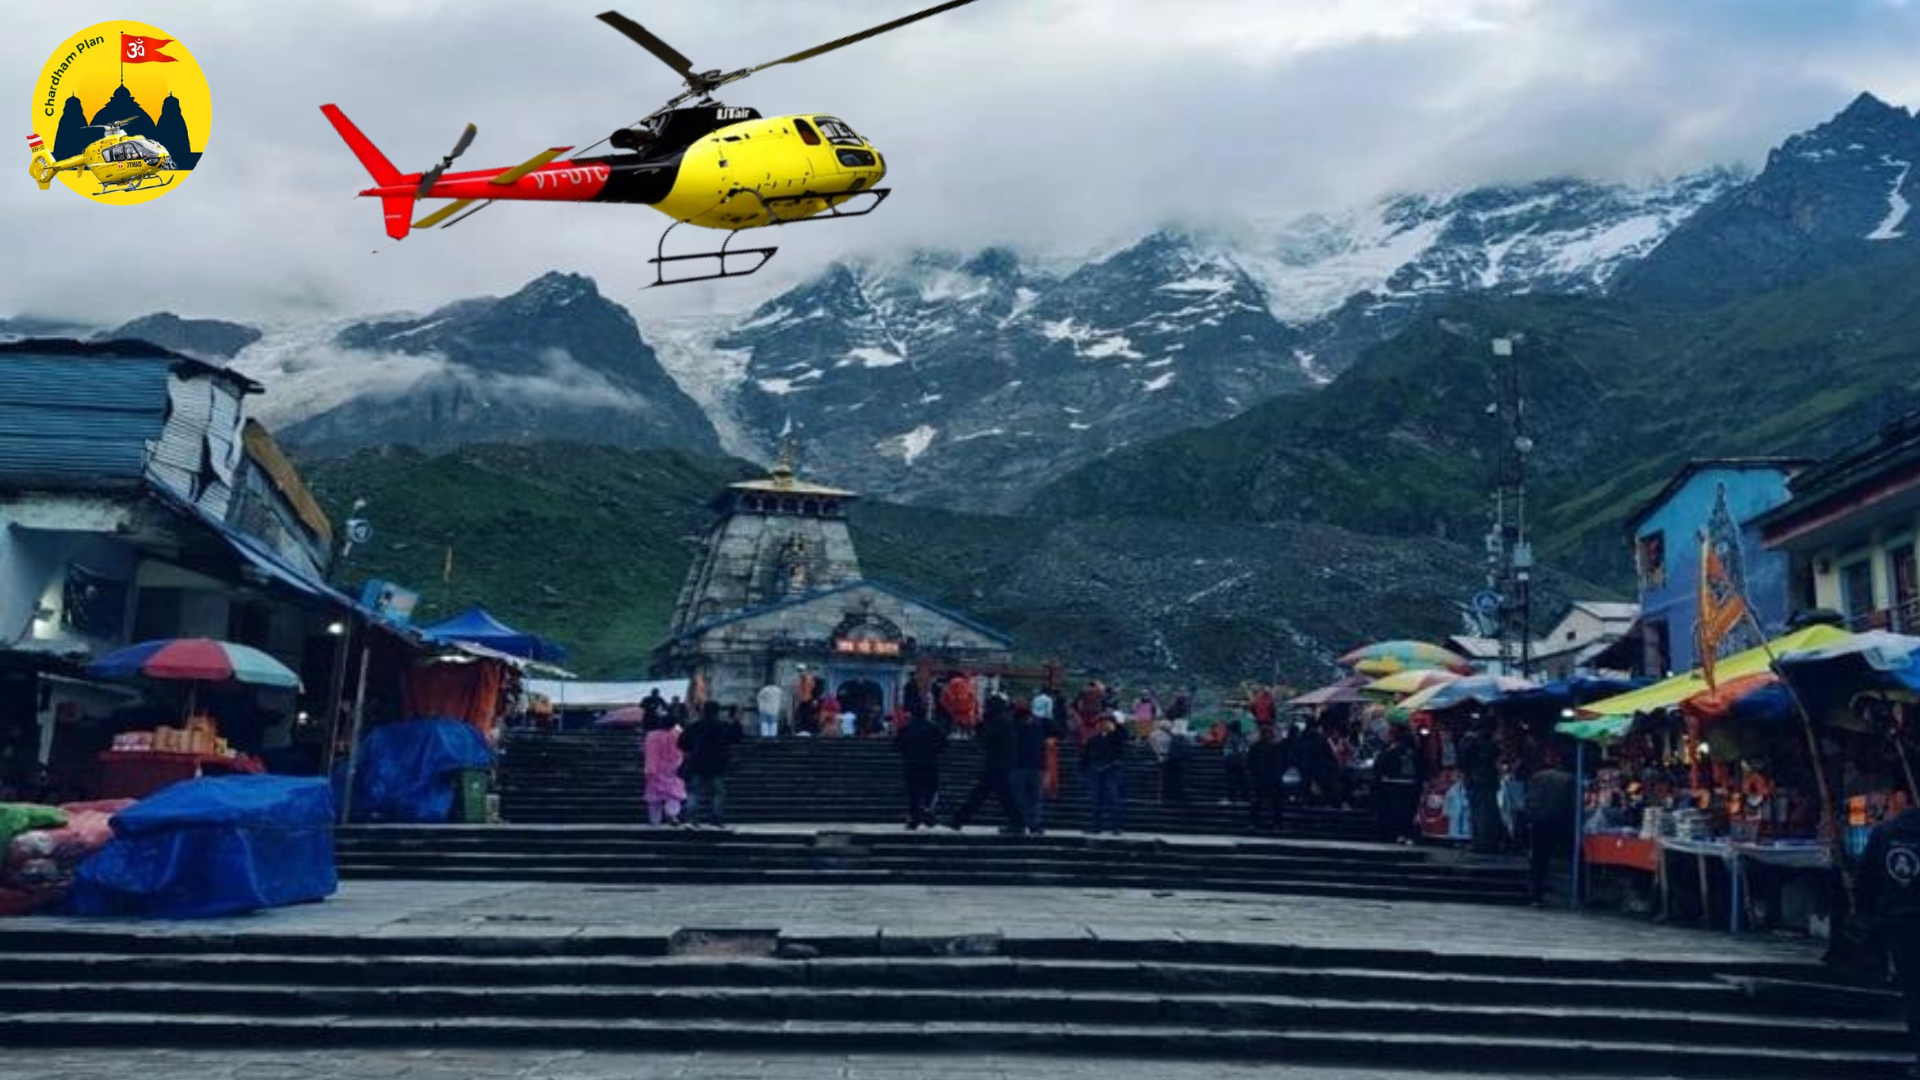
1267,772
1396,787
1890,892
920,744
1027,769
1549,822
708,746
996,763
1104,759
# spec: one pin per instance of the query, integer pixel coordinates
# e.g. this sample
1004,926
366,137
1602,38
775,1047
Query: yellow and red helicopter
119,161
705,163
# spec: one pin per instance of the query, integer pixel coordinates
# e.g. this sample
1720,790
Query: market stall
140,763
1731,793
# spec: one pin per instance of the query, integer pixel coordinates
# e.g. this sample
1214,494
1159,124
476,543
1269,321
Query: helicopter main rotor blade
667,53
432,176
861,36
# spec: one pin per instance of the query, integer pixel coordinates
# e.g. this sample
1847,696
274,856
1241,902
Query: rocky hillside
555,359
589,545
980,378
1834,199
207,339
1618,396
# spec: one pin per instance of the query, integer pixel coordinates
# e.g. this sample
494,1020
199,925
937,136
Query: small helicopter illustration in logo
119,161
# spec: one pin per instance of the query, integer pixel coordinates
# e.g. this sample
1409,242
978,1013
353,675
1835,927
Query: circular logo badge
120,114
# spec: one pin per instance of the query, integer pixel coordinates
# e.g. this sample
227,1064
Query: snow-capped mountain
555,360
1553,236
1834,198
979,377
970,378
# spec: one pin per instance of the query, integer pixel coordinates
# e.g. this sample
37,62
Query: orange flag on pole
1723,601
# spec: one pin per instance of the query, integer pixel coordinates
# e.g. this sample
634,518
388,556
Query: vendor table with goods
1629,849
1787,854
135,774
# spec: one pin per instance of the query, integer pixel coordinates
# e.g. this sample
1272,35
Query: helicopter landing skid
661,259
833,201
137,185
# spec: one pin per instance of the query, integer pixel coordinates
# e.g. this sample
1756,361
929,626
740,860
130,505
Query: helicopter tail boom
39,163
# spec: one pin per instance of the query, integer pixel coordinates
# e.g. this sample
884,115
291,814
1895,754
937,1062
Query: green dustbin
470,796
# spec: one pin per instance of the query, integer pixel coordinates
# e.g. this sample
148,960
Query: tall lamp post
1512,530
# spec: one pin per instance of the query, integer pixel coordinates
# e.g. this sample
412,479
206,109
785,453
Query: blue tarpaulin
406,770
215,846
478,626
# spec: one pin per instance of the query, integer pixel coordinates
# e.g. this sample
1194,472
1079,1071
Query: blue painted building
1666,534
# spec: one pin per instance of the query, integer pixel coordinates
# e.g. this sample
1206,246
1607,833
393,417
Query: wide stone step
1687,992
974,1005
856,876
1544,1052
991,973
926,867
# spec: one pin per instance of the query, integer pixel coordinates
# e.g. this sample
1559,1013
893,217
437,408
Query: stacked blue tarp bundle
215,846
406,770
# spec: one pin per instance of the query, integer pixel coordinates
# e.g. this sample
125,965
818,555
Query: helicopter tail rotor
428,178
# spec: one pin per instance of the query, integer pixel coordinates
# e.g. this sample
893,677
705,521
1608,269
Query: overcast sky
1056,125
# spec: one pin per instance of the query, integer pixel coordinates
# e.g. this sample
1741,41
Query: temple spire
787,460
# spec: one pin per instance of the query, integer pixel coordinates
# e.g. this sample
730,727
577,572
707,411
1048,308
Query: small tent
479,627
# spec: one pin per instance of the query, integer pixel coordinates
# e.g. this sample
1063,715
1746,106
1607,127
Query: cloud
1058,125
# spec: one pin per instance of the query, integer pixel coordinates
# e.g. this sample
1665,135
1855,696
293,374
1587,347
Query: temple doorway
867,700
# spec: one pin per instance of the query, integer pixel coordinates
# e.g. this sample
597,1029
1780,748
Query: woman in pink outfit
666,791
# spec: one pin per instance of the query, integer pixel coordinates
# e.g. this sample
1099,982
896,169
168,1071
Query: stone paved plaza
414,909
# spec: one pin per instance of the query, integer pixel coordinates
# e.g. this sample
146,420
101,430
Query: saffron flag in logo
135,49
1723,600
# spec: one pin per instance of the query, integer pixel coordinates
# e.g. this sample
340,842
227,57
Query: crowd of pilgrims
1267,760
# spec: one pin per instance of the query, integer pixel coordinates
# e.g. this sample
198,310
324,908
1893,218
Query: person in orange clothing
1088,709
961,704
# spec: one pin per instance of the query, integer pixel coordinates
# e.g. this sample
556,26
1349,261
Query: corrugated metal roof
66,419
67,349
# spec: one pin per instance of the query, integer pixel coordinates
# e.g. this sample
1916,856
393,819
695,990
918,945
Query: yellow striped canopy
1673,691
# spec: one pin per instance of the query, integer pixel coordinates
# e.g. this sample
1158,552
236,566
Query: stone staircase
1115,1000
594,777
625,855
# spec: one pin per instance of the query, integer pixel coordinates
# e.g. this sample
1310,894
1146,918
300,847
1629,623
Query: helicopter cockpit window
837,131
807,134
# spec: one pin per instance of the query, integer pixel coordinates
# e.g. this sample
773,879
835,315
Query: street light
336,628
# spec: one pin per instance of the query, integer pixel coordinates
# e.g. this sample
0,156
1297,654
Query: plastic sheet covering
406,770
216,846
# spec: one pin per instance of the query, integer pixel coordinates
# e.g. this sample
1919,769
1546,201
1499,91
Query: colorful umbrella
196,660
1409,682
1484,689
1344,692
1388,657
630,716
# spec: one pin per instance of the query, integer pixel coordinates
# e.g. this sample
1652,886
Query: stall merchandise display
38,865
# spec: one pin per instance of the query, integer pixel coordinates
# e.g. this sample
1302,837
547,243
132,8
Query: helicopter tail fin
376,163
39,164
397,209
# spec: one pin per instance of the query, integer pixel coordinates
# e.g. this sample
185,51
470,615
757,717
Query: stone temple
778,586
